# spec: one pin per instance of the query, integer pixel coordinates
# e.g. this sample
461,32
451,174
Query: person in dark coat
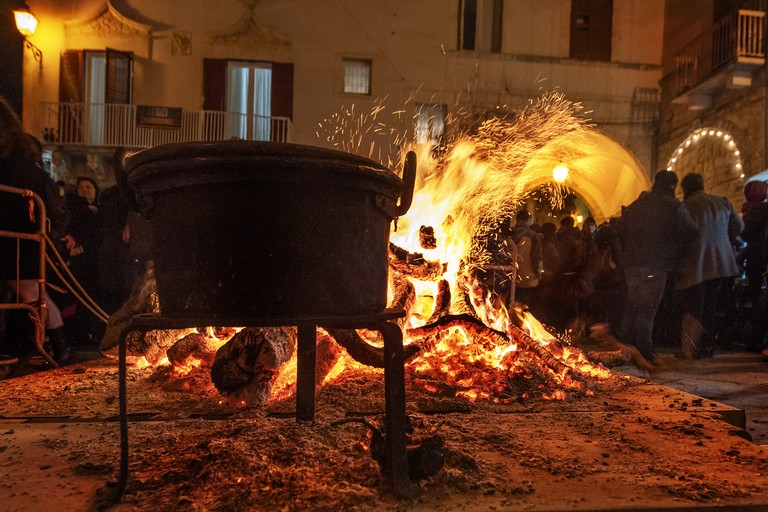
567,289
754,213
83,241
542,306
114,265
707,266
652,231
21,167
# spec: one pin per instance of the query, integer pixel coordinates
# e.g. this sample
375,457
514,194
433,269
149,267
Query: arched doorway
605,178
714,153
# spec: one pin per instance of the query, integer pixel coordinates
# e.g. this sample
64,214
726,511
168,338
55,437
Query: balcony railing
99,124
735,40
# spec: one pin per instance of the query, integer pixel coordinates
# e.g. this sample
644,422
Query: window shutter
282,89
119,77
71,77
591,29
497,28
282,98
215,84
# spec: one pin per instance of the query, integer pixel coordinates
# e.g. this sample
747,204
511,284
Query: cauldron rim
256,155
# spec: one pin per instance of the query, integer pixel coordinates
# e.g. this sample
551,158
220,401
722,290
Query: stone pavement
737,379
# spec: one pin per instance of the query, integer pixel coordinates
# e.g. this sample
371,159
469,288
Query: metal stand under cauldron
261,234
394,378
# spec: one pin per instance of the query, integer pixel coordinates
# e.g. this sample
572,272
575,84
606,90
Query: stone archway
713,152
605,178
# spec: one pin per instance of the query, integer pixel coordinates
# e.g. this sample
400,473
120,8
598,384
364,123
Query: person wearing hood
754,213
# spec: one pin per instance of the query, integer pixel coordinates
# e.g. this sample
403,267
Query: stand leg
394,390
123,399
306,353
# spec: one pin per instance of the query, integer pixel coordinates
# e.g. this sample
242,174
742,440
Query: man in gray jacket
652,231
707,266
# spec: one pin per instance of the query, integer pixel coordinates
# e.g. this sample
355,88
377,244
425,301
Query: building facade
713,109
118,73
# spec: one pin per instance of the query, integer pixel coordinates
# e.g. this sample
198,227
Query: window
481,25
591,29
94,89
357,76
249,100
430,124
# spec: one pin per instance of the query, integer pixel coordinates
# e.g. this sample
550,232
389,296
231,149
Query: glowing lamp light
25,22
725,138
560,173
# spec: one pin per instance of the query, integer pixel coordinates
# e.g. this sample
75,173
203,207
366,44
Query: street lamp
26,23
559,174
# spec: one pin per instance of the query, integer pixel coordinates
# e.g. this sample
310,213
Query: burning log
610,359
142,300
414,264
362,351
246,366
491,338
427,237
194,345
357,348
405,294
602,347
442,301
478,331
328,353
541,351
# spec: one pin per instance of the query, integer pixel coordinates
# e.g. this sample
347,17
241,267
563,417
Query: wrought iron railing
736,38
100,124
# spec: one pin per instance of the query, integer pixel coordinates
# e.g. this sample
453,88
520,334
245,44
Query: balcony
130,126
722,57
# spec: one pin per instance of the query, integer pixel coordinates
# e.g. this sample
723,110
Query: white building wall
412,45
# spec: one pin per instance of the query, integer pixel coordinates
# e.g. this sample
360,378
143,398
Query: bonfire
460,339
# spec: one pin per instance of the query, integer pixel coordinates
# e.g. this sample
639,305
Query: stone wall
739,114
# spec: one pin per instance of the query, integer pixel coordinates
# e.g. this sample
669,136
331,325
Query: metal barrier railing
37,311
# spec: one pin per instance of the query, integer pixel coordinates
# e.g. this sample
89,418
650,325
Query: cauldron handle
122,179
409,179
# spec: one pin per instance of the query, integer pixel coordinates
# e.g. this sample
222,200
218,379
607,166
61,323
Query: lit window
357,76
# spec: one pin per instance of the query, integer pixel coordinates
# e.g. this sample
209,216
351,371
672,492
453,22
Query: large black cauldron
244,229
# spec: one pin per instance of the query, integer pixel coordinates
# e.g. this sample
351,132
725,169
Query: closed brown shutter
282,89
498,17
71,90
282,99
119,77
591,29
215,84
71,77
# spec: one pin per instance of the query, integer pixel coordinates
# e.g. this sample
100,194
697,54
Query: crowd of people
89,228
698,254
